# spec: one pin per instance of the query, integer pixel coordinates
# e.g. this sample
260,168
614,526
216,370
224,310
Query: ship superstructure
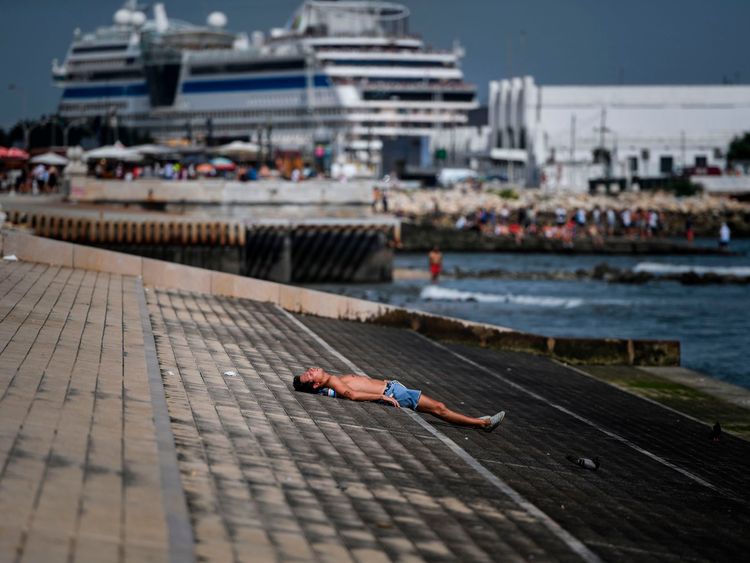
346,73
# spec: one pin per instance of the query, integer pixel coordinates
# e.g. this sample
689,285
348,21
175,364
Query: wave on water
438,293
660,269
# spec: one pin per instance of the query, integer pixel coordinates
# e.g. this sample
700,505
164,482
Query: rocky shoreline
421,237
600,272
441,208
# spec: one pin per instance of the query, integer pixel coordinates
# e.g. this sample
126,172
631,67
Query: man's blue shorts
407,398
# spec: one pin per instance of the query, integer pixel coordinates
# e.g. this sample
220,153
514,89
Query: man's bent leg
438,409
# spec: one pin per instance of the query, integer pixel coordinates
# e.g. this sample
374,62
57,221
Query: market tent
13,154
50,159
114,152
205,168
153,150
221,163
239,149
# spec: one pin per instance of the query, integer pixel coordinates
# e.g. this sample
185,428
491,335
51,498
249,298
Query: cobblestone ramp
77,442
664,492
275,475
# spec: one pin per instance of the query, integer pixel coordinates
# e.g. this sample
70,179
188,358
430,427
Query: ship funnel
160,17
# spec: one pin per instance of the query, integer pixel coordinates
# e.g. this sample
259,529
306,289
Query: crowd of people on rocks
569,224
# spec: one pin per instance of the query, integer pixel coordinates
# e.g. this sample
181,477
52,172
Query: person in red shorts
436,263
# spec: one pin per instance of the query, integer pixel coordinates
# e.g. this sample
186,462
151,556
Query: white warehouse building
548,135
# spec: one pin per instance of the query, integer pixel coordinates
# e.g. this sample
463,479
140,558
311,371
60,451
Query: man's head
310,381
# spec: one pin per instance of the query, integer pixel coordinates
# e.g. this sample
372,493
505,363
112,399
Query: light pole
54,121
24,100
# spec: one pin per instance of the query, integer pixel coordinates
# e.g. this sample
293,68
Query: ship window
388,62
230,68
106,75
401,96
458,96
100,48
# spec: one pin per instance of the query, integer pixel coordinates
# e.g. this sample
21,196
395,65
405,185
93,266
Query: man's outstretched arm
343,390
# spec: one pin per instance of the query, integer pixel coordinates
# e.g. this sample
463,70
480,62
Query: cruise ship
345,75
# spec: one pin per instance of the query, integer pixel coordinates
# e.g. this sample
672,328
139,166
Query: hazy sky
556,41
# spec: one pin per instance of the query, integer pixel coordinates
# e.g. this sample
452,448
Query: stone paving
639,504
152,425
274,474
77,441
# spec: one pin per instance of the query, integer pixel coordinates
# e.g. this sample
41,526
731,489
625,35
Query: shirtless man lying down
360,388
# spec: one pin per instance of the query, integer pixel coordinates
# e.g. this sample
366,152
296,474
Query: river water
712,322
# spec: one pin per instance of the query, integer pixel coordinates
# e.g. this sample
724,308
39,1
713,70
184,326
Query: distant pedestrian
436,263
611,221
504,215
531,220
596,216
625,219
581,217
725,234
689,231
376,195
52,178
641,222
560,216
653,223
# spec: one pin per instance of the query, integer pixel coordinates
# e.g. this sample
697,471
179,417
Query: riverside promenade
147,414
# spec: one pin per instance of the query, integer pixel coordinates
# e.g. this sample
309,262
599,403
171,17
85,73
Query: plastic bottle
586,463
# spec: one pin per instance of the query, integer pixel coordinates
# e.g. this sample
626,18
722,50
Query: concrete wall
166,275
268,192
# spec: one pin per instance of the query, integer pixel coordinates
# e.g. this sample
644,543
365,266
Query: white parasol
50,159
114,152
239,149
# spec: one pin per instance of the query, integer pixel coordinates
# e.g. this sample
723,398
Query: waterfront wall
220,192
311,251
301,300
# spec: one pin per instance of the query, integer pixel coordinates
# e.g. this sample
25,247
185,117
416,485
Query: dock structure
147,413
299,251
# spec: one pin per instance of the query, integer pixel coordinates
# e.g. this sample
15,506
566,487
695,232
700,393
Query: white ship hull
299,86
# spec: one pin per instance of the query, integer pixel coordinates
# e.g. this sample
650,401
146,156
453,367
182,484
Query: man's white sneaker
495,421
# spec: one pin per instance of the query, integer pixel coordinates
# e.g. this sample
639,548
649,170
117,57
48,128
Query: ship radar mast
130,14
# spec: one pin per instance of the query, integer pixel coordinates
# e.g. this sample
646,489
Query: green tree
739,148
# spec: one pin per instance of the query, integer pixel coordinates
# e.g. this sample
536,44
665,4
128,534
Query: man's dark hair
302,387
